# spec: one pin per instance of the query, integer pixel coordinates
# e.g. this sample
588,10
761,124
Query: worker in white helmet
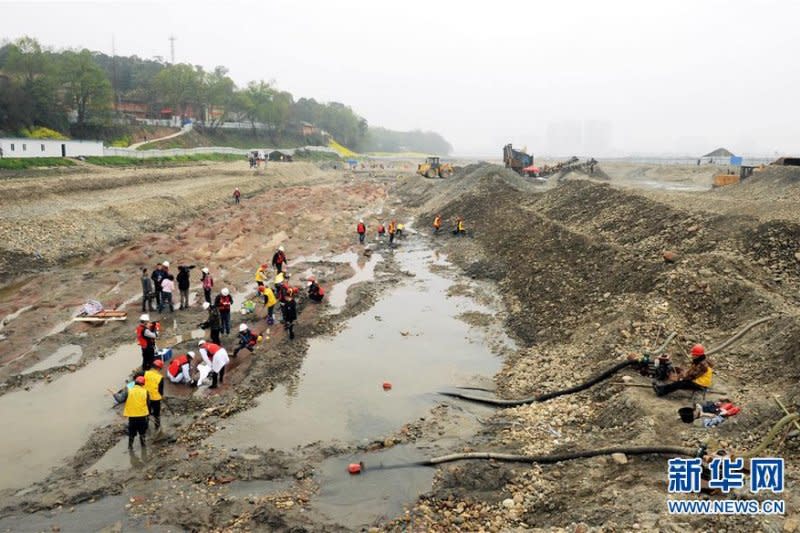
180,367
247,339
279,259
224,302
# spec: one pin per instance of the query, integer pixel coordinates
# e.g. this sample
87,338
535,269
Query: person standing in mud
167,287
237,194
213,323
158,276
289,312
269,302
361,229
279,259
381,231
261,276
147,292
223,303
183,284
154,383
136,411
459,229
208,283
392,231
146,334
437,224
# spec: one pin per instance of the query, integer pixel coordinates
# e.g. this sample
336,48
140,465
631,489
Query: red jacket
224,302
212,348
361,228
143,341
176,364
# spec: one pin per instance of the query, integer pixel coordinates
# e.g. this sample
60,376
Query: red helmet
158,363
311,278
139,380
698,350
264,266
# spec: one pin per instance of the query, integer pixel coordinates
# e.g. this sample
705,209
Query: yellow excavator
433,168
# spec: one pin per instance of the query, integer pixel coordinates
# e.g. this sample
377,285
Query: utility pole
114,71
172,48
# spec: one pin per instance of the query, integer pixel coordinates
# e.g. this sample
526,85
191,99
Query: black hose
548,395
547,459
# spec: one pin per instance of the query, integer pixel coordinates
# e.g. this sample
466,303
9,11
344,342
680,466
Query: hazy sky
588,77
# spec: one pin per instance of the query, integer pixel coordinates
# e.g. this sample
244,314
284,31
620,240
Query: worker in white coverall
216,357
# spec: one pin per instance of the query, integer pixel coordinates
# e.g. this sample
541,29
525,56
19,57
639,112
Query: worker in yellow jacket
261,275
269,301
136,411
697,377
154,383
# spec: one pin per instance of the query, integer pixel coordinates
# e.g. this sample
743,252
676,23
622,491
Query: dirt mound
582,271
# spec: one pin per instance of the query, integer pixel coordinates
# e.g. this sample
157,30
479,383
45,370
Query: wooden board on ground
102,316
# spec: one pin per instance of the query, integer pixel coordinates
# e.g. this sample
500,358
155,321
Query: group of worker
458,225
394,230
145,395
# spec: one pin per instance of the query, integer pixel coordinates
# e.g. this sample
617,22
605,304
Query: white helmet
201,343
206,305
309,283
243,327
190,354
225,291
144,318
361,220
280,248
205,270
166,264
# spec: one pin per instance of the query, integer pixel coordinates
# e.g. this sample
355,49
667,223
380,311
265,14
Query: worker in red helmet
261,275
136,411
154,383
696,377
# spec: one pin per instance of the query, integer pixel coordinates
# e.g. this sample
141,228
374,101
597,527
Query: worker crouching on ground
180,367
696,378
269,302
459,228
213,323
154,383
146,334
216,357
247,340
289,312
361,229
136,411
437,224
315,292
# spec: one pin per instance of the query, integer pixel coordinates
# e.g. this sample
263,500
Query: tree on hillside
218,94
31,94
86,89
180,86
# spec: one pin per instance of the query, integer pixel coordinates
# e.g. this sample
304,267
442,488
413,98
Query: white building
10,147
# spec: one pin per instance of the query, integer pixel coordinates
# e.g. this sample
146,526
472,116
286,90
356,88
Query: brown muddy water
410,338
51,421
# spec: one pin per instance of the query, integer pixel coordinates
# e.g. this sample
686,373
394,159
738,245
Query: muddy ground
573,272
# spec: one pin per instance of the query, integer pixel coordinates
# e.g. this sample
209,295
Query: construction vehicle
516,160
434,168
